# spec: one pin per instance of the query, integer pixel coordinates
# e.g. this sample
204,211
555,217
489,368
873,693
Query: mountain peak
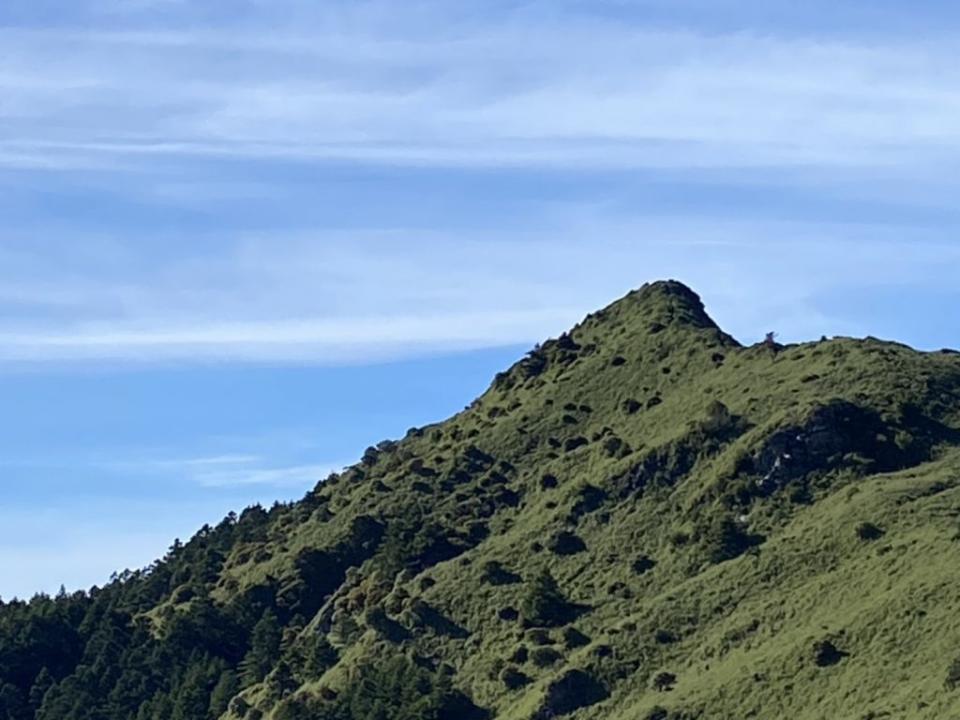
656,321
670,300
632,498
666,312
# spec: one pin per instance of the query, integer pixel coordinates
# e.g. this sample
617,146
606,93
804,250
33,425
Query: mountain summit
640,520
667,301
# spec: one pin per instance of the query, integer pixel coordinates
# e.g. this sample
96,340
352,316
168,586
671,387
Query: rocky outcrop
833,435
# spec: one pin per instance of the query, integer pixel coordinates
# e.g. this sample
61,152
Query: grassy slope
639,382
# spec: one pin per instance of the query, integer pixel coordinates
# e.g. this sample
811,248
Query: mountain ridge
641,518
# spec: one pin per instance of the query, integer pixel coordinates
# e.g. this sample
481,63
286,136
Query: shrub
513,679
664,637
615,447
724,539
664,681
544,656
543,605
520,655
643,565
539,636
495,574
396,688
566,543
825,654
952,681
719,422
573,690
868,531
573,638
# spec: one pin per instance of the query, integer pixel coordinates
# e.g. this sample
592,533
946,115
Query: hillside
641,519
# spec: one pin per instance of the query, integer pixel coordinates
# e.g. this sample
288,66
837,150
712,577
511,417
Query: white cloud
379,83
542,89
342,340
298,476
347,299
225,471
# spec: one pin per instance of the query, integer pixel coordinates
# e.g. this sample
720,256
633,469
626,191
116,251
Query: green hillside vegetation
640,520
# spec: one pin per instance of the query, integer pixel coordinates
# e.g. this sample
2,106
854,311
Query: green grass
646,433
740,633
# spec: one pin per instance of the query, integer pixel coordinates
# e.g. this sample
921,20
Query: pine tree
40,687
264,649
193,696
223,692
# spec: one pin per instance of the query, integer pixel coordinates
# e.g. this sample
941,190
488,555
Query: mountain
640,520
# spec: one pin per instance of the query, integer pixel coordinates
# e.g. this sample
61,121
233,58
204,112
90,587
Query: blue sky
243,240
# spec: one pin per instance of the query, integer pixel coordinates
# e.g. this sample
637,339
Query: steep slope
640,519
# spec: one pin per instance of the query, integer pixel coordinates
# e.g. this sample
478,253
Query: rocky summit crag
640,520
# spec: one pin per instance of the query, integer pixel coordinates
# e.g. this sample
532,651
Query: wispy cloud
299,476
372,86
233,471
147,96
320,301
344,339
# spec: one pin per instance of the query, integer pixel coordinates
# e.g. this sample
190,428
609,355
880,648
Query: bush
508,614
513,679
952,681
520,655
544,656
396,688
643,565
664,637
539,636
614,447
868,531
548,482
495,574
724,539
566,543
664,682
825,654
719,422
573,690
573,638
543,605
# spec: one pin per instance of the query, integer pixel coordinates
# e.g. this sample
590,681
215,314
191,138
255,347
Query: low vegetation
640,519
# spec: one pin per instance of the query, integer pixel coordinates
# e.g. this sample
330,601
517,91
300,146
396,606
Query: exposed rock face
831,436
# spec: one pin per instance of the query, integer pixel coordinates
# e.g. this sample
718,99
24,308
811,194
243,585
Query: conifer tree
264,649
